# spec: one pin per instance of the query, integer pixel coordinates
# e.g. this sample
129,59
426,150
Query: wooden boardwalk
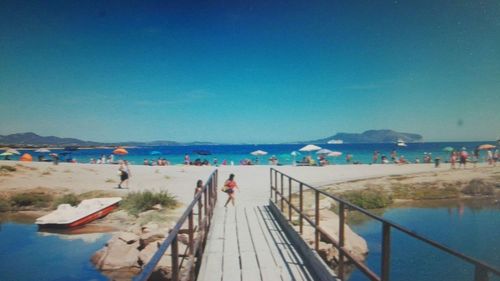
246,243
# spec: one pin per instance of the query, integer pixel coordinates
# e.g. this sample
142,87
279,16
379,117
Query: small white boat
401,143
67,216
335,141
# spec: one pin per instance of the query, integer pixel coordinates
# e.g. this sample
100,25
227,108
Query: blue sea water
362,153
26,254
472,228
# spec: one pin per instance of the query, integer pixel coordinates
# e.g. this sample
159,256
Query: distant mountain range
371,136
32,139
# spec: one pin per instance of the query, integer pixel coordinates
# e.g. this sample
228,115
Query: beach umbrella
42,150
335,154
323,151
486,146
120,151
448,149
258,153
6,154
26,157
155,152
53,154
310,147
13,151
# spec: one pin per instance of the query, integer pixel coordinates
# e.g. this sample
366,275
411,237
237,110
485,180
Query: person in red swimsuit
230,186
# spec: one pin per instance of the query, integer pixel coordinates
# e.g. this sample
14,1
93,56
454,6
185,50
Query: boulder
149,237
128,237
120,255
147,253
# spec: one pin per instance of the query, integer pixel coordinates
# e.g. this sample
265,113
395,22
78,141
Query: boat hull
82,221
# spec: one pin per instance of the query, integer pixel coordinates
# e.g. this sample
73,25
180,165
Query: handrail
205,200
481,268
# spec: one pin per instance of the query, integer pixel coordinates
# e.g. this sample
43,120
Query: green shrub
478,187
368,198
4,205
7,168
423,191
137,202
71,199
31,199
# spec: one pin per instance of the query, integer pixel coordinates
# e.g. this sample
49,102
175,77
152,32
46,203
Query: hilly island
32,139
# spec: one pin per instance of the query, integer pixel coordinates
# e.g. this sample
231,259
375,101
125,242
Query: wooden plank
231,267
292,265
250,269
244,239
211,267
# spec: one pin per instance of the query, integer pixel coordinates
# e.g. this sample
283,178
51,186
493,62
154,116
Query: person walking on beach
124,172
229,187
453,159
463,157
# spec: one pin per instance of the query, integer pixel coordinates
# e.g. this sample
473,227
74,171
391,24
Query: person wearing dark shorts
230,186
124,173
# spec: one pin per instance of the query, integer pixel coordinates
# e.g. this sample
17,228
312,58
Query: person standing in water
230,186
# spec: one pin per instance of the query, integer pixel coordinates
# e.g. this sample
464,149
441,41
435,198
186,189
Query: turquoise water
26,254
361,153
472,228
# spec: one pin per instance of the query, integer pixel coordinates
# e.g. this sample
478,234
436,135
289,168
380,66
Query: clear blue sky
249,71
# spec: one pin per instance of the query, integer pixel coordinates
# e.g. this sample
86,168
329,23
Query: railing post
386,251
191,233
480,274
289,199
341,239
271,183
276,187
205,203
316,220
281,197
175,259
301,208
200,215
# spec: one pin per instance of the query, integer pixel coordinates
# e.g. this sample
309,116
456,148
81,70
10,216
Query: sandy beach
180,180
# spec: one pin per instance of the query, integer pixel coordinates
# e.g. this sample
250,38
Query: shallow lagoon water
472,228
26,254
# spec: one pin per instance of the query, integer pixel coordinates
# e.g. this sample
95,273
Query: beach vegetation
367,198
70,198
424,191
137,202
96,194
4,205
166,177
7,169
32,199
478,187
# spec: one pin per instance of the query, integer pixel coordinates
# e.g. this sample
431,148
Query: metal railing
204,202
282,193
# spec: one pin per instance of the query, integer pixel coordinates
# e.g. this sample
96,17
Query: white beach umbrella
323,151
42,150
13,151
310,147
258,153
334,154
